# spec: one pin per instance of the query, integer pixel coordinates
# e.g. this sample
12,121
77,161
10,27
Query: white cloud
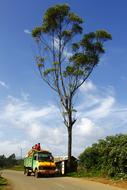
21,112
97,102
27,31
99,114
24,95
3,84
8,147
88,86
35,131
103,109
33,123
1,134
84,127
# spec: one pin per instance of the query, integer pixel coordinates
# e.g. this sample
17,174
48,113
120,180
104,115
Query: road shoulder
116,183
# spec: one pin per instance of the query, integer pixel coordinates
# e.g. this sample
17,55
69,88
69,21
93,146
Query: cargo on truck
39,161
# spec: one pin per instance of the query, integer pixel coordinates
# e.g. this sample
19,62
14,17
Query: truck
39,162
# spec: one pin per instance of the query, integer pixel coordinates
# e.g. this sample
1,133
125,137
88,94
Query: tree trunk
69,148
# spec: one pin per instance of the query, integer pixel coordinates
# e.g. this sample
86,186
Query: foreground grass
3,182
17,168
81,173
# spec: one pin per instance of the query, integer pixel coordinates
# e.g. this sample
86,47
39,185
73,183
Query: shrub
108,156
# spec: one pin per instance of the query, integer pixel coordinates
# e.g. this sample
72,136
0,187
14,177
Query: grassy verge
3,182
17,168
82,173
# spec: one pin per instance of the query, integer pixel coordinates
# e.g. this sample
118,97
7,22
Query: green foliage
53,16
108,156
75,18
79,59
2,181
60,26
40,65
37,32
7,162
56,63
75,47
103,35
84,173
48,71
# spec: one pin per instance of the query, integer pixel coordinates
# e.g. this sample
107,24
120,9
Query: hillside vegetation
108,157
6,162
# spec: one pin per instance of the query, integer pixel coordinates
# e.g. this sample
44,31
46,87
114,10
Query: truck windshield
45,157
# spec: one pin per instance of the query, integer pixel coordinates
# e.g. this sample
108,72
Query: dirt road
21,182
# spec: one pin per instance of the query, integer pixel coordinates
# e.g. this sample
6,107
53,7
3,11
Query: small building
61,164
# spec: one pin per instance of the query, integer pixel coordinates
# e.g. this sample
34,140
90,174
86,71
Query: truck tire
36,174
27,172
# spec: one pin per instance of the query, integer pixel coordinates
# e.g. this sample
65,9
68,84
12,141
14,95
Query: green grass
83,173
3,182
17,168
95,174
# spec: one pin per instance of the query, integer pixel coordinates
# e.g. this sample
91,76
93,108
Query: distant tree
11,160
2,161
66,58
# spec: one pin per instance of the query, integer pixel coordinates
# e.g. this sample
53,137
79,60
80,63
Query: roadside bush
108,156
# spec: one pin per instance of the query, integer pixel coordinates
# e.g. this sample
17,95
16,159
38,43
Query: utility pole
21,152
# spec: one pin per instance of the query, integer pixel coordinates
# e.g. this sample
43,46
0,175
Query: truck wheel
36,174
27,172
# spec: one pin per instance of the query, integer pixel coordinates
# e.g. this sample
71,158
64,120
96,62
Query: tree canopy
71,61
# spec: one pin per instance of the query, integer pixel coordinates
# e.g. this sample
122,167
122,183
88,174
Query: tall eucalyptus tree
66,57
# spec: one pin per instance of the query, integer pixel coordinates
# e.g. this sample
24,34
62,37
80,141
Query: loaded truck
38,162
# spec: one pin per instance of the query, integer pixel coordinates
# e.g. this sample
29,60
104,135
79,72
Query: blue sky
28,108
